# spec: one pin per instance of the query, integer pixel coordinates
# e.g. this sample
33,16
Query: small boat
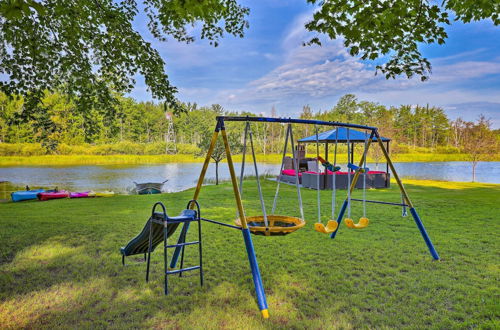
106,193
25,195
149,187
84,194
56,194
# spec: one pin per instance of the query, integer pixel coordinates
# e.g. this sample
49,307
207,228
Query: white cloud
319,75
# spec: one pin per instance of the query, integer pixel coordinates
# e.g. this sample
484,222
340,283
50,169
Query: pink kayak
84,194
45,196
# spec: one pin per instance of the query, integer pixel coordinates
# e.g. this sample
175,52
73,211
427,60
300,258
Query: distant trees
60,124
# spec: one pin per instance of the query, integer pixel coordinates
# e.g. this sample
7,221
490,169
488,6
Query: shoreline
75,160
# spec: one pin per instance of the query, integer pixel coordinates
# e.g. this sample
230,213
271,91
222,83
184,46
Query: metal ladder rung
182,244
170,272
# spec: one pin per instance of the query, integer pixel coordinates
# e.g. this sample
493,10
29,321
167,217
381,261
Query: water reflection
184,175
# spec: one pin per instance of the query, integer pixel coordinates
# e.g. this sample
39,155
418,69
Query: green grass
184,158
60,266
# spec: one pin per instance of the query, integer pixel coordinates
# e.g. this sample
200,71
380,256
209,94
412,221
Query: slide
140,243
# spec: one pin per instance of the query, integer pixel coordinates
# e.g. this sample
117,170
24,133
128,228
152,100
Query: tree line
58,122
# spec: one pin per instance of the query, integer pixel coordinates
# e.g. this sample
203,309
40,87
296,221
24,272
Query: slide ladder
159,228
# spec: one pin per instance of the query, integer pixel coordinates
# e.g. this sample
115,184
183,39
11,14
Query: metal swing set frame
244,227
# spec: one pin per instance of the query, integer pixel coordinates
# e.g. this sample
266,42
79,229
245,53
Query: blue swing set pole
413,211
340,217
353,184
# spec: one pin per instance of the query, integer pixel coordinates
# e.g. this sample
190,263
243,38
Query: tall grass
120,148
189,158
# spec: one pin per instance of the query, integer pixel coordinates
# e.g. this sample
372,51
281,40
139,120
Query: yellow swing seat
363,223
330,227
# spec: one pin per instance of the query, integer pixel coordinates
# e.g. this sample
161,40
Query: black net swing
271,224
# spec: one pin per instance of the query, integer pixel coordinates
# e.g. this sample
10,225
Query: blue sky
269,67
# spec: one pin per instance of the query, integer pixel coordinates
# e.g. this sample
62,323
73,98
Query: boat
56,194
84,194
106,193
25,195
149,187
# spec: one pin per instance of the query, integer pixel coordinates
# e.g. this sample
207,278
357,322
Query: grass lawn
60,266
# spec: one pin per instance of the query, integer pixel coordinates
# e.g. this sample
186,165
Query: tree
305,114
457,131
479,143
89,48
392,30
219,152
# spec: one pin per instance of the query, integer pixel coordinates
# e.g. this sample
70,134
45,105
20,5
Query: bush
184,148
155,148
33,149
83,149
127,148
448,150
102,149
120,148
22,149
399,148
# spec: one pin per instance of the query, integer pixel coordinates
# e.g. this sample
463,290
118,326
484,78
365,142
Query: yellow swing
363,221
331,225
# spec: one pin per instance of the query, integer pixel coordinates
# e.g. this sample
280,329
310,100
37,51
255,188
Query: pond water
184,175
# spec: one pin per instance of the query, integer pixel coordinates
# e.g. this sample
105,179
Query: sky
270,67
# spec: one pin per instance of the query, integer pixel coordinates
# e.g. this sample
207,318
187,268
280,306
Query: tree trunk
474,171
216,173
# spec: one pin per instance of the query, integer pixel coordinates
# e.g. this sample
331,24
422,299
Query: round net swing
271,225
278,225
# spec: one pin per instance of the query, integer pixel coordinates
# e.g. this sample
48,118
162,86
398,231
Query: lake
184,175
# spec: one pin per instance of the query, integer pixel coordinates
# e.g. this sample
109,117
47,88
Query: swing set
278,225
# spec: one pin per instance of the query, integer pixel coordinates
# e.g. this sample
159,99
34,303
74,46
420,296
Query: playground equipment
268,224
331,225
158,229
363,222
326,164
338,135
245,225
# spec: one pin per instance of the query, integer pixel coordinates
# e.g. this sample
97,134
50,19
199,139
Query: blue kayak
25,195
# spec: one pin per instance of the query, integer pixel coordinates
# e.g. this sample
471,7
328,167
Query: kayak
84,194
25,195
104,193
45,196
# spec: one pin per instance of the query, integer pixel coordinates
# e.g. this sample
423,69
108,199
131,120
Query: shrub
184,148
447,150
155,148
33,149
399,148
9,149
83,149
102,149
22,149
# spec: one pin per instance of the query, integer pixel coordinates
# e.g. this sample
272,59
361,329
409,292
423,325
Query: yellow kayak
106,193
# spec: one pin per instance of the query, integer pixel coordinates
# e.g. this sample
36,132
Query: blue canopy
330,136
